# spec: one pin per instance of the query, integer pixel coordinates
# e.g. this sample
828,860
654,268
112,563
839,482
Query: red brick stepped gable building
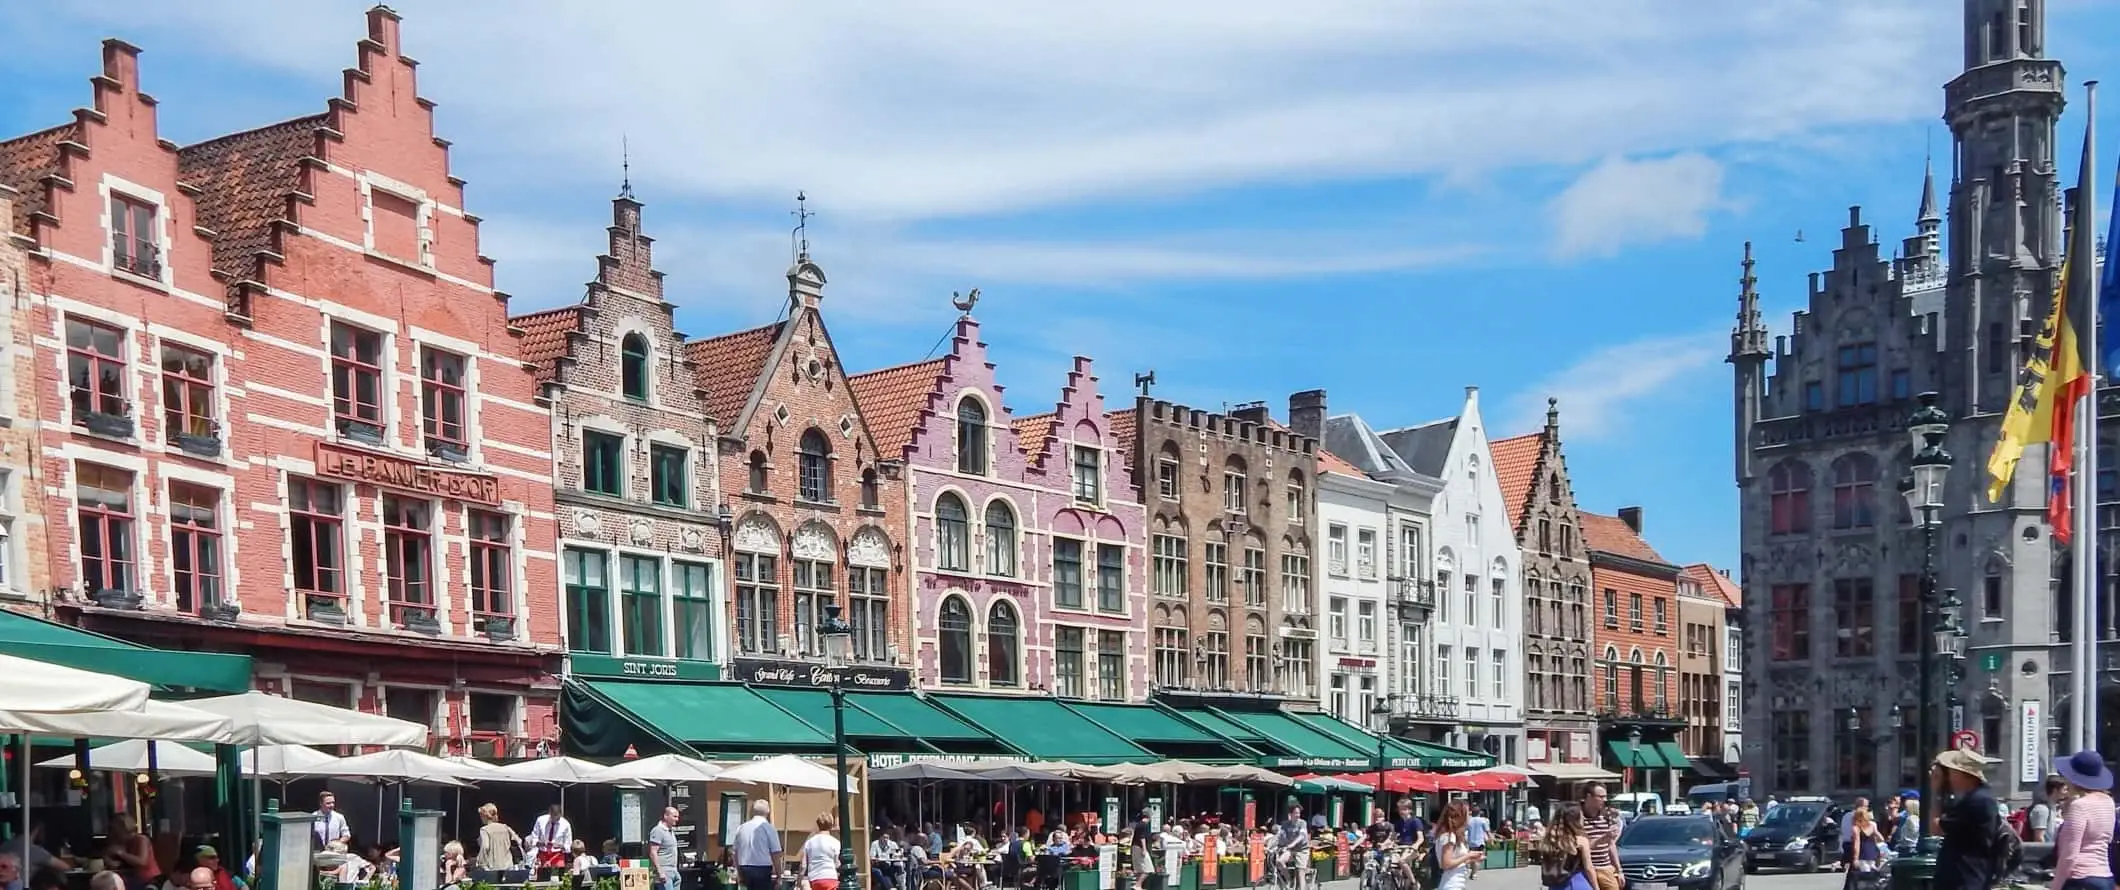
283,410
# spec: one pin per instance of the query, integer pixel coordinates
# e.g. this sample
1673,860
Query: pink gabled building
1026,533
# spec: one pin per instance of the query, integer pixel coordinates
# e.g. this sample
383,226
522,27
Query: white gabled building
1356,651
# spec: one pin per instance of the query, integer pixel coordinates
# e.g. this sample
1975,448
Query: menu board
1210,862
1108,867
1257,854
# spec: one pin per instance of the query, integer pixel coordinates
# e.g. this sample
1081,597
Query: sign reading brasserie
392,471
860,677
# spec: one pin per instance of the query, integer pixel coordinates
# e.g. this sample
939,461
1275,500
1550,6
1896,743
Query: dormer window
633,367
133,245
971,437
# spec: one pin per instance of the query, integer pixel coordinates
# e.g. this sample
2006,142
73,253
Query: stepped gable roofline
1034,431
1261,431
1715,583
1123,425
251,186
729,368
893,400
33,165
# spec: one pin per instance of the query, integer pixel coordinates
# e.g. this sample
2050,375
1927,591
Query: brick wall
25,572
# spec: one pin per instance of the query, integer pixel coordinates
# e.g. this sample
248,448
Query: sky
1389,200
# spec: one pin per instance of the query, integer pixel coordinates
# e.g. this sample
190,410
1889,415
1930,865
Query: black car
1680,853
1802,834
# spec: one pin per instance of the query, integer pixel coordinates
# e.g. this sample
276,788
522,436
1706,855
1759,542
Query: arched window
953,534
814,461
1612,677
1854,491
1789,498
1658,681
1637,685
757,472
633,367
1001,644
1000,539
955,623
1298,498
869,495
971,436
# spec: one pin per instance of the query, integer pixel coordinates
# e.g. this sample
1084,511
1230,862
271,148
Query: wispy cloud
1598,392
1621,202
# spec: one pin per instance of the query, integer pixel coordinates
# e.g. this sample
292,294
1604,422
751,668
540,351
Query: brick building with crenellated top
283,412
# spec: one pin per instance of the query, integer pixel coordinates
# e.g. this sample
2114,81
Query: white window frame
1365,624
1336,549
9,547
1336,621
114,187
1365,552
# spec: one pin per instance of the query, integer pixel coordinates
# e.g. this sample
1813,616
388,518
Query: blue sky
1388,200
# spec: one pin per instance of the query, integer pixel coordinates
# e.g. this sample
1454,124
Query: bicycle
1283,874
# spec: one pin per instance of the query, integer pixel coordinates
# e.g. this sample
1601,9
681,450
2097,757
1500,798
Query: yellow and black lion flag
2041,410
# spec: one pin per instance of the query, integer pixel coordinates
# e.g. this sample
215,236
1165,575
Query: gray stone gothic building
1832,562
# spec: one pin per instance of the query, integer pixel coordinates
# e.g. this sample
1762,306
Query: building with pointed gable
636,475
282,408
1028,570
1561,730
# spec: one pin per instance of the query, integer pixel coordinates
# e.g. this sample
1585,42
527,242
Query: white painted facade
1476,631
1354,660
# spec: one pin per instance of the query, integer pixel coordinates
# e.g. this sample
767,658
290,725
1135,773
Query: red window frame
1789,498
438,396
308,501
96,379
408,554
492,563
112,524
1789,621
187,397
349,367
133,245
195,538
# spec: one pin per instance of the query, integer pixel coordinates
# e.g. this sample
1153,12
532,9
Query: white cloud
1621,202
1597,392
945,108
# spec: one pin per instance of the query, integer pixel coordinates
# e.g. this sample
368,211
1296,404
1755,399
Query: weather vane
801,235
1145,380
964,303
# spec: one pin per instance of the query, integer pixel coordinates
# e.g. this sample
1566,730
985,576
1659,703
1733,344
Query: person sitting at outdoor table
886,859
209,859
29,850
10,872
583,863
455,870
917,863
133,852
200,879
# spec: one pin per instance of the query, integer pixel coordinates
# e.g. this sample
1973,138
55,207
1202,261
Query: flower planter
1189,875
1079,879
1234,874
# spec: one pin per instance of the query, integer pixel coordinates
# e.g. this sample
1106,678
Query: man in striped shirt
1601,826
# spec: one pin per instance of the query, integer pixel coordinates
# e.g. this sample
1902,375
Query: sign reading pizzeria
404,474
804,675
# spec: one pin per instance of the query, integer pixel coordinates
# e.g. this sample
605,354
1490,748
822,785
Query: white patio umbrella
552,771
130,756
787,770
397,765
162,721
266,719
284,763
28,686
665,768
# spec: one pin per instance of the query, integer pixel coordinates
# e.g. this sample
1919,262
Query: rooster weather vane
965,302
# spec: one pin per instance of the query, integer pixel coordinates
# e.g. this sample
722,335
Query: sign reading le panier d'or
405,474
861,677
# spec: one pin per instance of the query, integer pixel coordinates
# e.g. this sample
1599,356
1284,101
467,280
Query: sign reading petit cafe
404,474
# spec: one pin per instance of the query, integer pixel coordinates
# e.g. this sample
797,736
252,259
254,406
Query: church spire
1749,338
1928,218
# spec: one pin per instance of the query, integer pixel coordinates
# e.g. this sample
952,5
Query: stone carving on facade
692,539
642,531
869,549
756,535
587,523
814,543
1852,559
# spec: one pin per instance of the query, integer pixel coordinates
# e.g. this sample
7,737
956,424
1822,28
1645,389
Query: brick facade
25,573
810,494
1558,624
998,605
1636,603
312,295
1236,495
637,484
1700,669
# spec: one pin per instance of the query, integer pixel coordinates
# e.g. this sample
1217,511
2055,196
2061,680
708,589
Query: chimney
1306,413
1632,516
1251,412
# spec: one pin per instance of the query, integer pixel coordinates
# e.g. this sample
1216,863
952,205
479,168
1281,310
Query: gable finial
625,167
965,303
801,235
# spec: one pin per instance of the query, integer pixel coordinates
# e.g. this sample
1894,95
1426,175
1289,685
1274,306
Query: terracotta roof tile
729,366
244,181
1715,583
1515,460
891,400
545,338
1331,463
1121,425
1610,535
24,162
1033,431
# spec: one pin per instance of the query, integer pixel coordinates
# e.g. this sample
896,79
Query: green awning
1044,728
713,718
36,639
917,716
1402,753
1643,756
886,722
1220,725
1314,748
1161,731
1673,757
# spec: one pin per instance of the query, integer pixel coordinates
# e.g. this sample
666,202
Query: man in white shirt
756,848
551,838
330,824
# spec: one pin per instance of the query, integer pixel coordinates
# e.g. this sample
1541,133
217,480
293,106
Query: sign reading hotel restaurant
405,474
804,675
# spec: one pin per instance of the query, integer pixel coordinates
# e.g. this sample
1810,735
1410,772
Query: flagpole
2082,294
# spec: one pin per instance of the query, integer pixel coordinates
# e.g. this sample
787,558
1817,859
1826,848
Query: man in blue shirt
756,846
1476,834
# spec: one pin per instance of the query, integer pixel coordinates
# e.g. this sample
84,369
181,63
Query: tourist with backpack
2083,846
1973,855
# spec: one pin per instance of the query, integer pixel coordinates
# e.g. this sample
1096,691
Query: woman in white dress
1451,853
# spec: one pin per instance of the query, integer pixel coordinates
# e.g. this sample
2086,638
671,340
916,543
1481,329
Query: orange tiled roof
1121,424
244,181
891,400
545,337
1715,583
24,162
1331,463
1610,535
1033,431
729,367
1515,460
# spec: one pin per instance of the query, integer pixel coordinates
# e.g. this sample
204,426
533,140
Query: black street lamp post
1922,487
1380,716
1634,756
838,638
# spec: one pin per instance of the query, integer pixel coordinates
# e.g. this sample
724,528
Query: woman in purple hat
2081,846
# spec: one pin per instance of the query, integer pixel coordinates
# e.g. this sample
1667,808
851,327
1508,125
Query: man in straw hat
1972,856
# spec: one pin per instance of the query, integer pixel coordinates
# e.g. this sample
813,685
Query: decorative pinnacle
625,168
801,235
